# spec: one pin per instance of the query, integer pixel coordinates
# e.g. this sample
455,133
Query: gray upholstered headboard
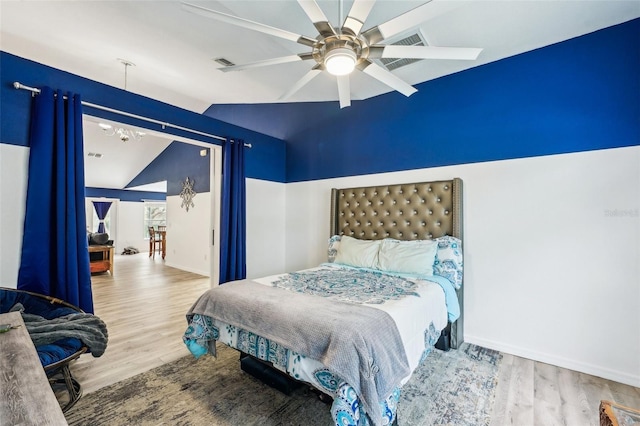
413,211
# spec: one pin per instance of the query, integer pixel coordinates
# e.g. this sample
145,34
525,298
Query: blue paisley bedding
349,285
323,279
403,298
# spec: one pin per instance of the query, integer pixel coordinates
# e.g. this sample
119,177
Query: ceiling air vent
224,62
395,63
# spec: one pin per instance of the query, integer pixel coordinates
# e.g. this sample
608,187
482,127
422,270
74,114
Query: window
96,222
155,213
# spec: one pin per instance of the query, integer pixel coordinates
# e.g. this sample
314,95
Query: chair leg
73,387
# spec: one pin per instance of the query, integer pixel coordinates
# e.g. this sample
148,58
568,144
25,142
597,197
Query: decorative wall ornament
187,194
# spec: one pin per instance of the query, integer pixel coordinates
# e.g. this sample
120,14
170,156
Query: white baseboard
583,367
187,268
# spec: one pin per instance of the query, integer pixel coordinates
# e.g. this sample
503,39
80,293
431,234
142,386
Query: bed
356,326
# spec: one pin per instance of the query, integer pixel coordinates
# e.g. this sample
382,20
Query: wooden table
106,264
26,397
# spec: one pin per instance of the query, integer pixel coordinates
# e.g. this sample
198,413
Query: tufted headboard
413,211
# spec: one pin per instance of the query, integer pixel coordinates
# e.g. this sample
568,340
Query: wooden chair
161,235
154,241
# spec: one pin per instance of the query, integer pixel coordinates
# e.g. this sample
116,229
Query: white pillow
409,257
359,253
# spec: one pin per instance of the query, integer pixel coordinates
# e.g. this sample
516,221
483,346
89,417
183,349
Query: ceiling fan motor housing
340,44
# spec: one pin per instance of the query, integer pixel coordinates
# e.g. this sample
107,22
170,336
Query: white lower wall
551,254
130,231
14,161
189,234
266,227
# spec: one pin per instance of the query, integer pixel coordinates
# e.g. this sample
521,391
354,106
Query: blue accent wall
579,95
177,162
124,195
281,121
266,160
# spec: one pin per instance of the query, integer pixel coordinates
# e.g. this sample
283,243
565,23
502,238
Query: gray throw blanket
88,328
359,343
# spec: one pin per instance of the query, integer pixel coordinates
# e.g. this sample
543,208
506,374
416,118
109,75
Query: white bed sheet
412,315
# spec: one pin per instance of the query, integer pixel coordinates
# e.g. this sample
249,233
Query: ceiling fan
340,51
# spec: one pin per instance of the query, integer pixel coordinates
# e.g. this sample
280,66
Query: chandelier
123,134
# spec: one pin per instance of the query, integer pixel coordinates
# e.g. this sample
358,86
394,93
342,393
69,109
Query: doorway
112,164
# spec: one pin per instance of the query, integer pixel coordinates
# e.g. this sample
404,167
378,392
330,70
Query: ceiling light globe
340,61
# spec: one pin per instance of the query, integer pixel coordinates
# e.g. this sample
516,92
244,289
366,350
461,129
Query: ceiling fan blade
267,62
399,24
318,17
344,92
357,16
245,23
384,76
424,52
302,82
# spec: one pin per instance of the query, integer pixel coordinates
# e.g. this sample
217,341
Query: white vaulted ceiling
118,162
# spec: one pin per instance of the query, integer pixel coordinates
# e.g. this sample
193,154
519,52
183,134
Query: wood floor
144,306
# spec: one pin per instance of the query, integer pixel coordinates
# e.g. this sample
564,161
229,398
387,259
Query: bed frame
413,211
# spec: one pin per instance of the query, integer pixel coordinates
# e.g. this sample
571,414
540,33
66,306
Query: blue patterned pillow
334,244
448,261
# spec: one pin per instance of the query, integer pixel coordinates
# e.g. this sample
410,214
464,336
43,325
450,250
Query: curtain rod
35,90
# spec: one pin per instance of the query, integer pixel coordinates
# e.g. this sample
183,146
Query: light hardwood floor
144,306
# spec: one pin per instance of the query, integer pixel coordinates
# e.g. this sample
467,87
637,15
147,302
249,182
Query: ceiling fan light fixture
340,61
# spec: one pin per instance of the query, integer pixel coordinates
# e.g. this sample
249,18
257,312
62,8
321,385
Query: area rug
449,388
